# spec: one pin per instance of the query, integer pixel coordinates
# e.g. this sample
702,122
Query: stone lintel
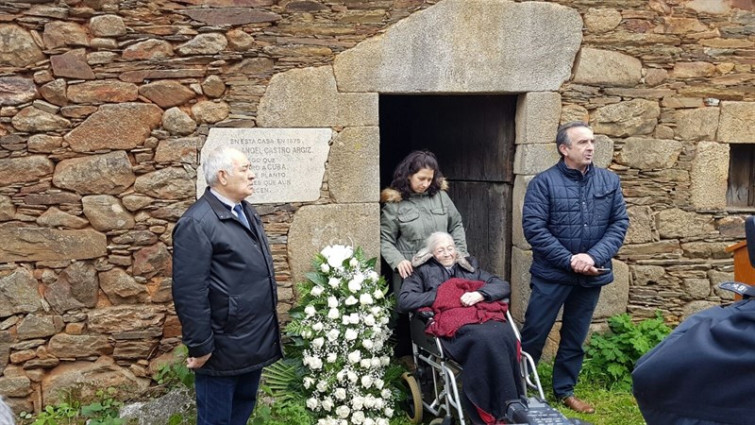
467,46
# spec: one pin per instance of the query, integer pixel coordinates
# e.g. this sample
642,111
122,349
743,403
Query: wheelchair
434,387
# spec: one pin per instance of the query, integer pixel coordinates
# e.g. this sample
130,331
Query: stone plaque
288,163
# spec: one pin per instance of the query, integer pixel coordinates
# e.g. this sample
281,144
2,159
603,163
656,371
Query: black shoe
516,412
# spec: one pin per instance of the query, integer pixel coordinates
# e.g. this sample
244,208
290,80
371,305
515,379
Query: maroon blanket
450,314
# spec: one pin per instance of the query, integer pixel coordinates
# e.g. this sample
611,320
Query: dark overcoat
224,288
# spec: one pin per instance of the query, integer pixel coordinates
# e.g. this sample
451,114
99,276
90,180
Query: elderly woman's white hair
6,415
218,159
437,238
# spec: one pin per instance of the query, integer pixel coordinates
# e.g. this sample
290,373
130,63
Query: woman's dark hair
409,166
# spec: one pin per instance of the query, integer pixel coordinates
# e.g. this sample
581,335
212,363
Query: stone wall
103,107
105,104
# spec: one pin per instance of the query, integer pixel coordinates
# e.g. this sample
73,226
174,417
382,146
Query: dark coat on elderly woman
488,352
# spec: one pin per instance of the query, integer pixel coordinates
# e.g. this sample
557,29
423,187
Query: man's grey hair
562,138
6,415
436,238
218,159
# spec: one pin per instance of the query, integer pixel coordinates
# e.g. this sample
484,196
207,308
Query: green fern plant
610,357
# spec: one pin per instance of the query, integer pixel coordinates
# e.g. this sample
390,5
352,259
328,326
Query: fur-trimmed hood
424,255
390,194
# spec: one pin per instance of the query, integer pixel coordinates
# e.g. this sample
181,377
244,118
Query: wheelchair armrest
424,314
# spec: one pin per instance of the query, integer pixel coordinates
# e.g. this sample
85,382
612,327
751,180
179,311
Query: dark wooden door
473,138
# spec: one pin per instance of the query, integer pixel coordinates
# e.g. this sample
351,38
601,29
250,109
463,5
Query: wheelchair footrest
540,413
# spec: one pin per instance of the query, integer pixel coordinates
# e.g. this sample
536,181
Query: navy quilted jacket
567,213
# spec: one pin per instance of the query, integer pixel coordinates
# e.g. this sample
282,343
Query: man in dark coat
701,374
575,219
224,291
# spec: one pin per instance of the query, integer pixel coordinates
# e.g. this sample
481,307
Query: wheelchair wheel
414,410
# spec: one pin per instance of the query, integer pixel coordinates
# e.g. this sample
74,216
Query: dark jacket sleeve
495,288
608,246
535,215
413,294
192,257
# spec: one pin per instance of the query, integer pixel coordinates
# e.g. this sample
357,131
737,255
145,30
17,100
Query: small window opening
741,189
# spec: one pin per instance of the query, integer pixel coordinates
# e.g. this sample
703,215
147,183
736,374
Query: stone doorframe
454,47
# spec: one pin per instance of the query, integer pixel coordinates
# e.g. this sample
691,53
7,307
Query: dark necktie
241,216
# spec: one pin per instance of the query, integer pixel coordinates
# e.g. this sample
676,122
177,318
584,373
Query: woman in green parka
415,206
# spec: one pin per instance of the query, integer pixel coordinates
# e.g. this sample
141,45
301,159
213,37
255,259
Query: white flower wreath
344,328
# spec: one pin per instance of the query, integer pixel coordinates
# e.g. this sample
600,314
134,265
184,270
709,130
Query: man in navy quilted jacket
575,219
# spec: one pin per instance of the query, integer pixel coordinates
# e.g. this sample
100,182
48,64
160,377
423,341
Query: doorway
473,138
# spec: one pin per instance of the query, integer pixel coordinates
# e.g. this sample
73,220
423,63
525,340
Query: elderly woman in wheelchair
469,317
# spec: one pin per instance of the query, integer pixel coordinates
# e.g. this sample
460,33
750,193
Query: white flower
307,334
352,377
327,404
351,334
317,327
354,318
332,357
333,334
378,345
367,381
332,302
334,282
351,300
355,356
376,310
318,342
365,363
382,421
386,393
369,401
340,393
336,254
388,412
369,421
324,268
369,320
322,386
354,285
308,382
333,313
367,344
375,362
357,403
317,291
365,299
385,361
310,310
378,294
343,411
357,417
315,363
353,262
379,383
312,403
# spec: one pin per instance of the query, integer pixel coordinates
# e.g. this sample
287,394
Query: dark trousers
226,400
545,301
